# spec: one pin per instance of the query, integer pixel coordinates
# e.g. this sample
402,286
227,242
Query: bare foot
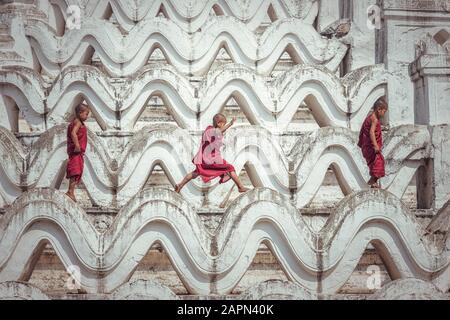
243,189
177,188
71,196
374,186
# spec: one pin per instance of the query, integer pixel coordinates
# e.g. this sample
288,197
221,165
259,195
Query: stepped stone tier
300,76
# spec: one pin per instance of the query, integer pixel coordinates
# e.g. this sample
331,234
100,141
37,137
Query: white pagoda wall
154,73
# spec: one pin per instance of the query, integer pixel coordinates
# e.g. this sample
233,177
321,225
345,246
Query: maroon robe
374,160
76,160
208,160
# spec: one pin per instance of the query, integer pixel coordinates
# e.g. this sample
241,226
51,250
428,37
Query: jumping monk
76,146
208,161
371,142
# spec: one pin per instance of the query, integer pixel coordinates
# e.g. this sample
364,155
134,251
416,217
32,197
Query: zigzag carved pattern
206,262
110,181
271,105
213,263
191,54
190,16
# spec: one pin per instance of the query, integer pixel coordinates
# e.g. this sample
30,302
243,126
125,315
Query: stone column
430,73
328,13
403,22
361,37
440,140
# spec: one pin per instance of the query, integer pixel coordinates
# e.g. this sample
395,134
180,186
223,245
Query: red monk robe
374,160
208,160
76,160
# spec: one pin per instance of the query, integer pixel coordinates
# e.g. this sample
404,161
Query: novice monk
76,146
371,142
208,160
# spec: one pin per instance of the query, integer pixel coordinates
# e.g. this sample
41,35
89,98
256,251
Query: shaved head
81,107
380,104
219,118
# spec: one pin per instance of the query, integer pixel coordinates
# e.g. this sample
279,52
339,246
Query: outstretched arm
229,124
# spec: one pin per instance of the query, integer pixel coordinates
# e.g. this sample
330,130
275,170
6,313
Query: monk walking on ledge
208,160
371,142
76,146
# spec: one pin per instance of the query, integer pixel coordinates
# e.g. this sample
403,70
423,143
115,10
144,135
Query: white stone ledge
333,101
214,262
190,16
297,173
124,55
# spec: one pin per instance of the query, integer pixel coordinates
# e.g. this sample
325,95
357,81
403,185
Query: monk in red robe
76,146
208,161
371,142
